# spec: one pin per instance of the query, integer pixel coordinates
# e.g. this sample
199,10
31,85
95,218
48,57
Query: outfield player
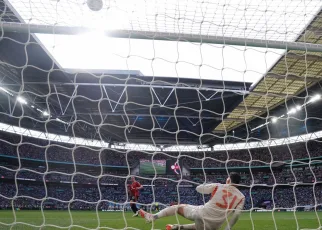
134,193
225,199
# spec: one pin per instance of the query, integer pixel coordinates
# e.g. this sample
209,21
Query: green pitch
108,220
147,168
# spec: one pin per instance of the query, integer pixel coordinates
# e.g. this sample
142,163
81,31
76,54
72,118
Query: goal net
172,93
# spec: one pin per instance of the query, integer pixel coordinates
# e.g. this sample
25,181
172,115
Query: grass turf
88,219
147,168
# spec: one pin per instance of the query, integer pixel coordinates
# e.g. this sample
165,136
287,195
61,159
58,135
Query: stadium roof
109,105
244,19
292,74
167,148
117,105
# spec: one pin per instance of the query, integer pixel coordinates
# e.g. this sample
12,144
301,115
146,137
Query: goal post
150,35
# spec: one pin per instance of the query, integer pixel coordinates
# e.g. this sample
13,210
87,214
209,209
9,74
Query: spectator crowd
34,185
30,148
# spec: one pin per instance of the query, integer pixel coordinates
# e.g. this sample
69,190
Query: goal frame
150,35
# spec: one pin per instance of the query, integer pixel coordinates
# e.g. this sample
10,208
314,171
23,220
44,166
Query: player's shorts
195,214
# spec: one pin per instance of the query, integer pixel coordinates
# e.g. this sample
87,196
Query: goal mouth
110,107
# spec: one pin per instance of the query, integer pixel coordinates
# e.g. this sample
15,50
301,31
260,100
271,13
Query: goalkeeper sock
169,211
188,226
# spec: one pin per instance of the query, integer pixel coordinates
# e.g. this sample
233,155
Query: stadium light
292,111
298,107
59,120
315,98
45,113
6,91
260,126
22,100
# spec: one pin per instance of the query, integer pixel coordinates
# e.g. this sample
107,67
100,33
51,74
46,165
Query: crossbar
135,34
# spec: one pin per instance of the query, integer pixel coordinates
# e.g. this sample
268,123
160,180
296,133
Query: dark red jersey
134,188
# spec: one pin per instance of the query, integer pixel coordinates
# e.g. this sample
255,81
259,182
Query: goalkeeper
225,199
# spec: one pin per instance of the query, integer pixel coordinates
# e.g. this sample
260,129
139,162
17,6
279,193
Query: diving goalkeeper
225,199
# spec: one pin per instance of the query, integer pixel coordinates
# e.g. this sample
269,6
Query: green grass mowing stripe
147,168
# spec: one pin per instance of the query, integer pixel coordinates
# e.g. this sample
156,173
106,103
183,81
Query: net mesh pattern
82,114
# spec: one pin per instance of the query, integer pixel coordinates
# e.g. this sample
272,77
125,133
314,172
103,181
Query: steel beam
303,57
271,94
294,77
61,108
70,99
162,115
251,108
236,91
129,130
142,85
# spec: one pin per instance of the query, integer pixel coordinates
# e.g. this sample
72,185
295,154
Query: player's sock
184,226
169,211
188,226
134,208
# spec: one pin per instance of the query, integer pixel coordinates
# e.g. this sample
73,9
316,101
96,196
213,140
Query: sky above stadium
267,20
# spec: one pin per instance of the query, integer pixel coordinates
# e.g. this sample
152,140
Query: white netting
80,114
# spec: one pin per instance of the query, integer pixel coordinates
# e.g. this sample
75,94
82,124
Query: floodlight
298,107
45,113
57,119
315,98
6,91
274,119
22,100
292,111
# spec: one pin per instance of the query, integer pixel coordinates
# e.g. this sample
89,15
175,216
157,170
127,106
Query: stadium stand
256,184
